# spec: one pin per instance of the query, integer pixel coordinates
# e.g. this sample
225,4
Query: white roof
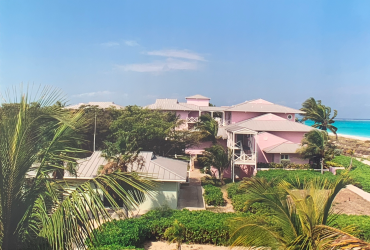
102,105
197,97
262,106
284,147
174,104
160,168
277,124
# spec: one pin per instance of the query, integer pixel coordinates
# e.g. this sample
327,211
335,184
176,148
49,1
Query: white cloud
160,66
131,43
109,44
98,93
185,54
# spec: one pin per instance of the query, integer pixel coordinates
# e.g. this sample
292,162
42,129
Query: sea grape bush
201,227
213,196
361,223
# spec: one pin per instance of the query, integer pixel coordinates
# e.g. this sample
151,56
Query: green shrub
201,227
115,247
208,180
333,164
284,164
123,233
213,196
361,223
359,174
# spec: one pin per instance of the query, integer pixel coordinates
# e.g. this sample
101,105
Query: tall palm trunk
322,165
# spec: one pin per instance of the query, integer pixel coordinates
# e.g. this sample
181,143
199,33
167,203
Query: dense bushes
208,180
360,173
294,175
213,196
361,223
290,165
202,227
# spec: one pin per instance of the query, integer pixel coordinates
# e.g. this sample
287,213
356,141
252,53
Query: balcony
192,119
245,159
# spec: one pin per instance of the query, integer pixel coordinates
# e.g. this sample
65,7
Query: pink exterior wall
265,140
198,102
198,149
183,114
293,158
295,137
241,116
193,114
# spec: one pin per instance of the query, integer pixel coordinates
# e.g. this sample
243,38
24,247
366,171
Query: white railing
245,157
218,120
192,119
226,122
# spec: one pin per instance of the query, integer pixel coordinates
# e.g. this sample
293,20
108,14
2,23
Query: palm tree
175,233
39,142
217,157
319,114
208,128
302,219
315,145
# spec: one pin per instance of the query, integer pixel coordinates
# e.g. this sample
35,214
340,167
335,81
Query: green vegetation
317,147
208,128
217,157
213,196
319,114
290,165
361,223
302,222
42,211
176,234
359,174
201,227
294,177
208,180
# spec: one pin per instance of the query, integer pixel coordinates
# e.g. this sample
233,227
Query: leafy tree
217,157
317,147
320,115
295,219
152,130
176,233
38,209
208,127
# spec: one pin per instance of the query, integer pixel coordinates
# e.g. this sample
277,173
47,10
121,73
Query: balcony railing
192,119
245,158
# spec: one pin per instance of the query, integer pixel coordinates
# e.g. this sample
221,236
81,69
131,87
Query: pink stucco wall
193,114
295,137
265,140
198,102
293,158
182,114
198,149
241,116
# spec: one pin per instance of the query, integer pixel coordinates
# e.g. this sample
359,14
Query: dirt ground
347,202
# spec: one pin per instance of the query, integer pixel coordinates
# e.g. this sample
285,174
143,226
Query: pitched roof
172,104
197,97
263,106
284,147
160,168
273,124
102,105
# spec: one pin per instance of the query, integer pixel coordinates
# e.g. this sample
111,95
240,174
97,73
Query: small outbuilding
169,173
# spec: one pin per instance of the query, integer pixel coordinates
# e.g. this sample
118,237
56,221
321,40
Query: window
290,117
284,157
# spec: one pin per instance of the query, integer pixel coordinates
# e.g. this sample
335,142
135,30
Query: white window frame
291,117
285,155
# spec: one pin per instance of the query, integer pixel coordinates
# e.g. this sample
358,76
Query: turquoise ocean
351,127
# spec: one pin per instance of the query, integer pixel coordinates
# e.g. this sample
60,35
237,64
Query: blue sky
132,52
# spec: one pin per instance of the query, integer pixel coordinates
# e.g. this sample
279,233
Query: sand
354,137
159,245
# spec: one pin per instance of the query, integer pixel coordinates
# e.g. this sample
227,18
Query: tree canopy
319,114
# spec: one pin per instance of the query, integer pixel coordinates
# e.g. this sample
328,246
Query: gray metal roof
251,106
210,108
285,147
271,125
102,105
197,97
160,168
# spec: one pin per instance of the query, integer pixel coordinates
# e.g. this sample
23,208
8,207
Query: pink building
255,131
